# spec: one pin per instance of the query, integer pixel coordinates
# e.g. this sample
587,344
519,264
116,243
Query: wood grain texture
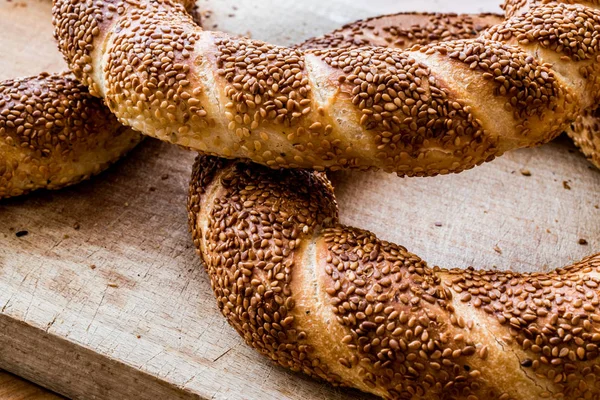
14,388
105,298
493,216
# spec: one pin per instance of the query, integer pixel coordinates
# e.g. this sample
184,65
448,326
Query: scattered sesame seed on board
566,185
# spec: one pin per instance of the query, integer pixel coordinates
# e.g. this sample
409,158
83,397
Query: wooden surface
14,388
105,298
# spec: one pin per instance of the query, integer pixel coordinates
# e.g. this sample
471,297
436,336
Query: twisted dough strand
403,30
433,109
54,134
407,29
339,304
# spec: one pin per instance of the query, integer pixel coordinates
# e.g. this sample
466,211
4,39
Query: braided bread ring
54,134
339,304
434,109
319,178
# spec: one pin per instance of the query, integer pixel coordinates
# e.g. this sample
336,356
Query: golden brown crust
54,134
405,30
339,304
266,238
546,27
330,108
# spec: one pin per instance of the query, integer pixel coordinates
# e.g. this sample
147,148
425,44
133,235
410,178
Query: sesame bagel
429,110
54,134
341,305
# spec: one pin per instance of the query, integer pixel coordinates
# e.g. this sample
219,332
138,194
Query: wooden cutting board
104,297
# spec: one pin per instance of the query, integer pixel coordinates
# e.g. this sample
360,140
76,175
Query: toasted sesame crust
54,134
403,30
514,7
434,109
585,132
341,305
